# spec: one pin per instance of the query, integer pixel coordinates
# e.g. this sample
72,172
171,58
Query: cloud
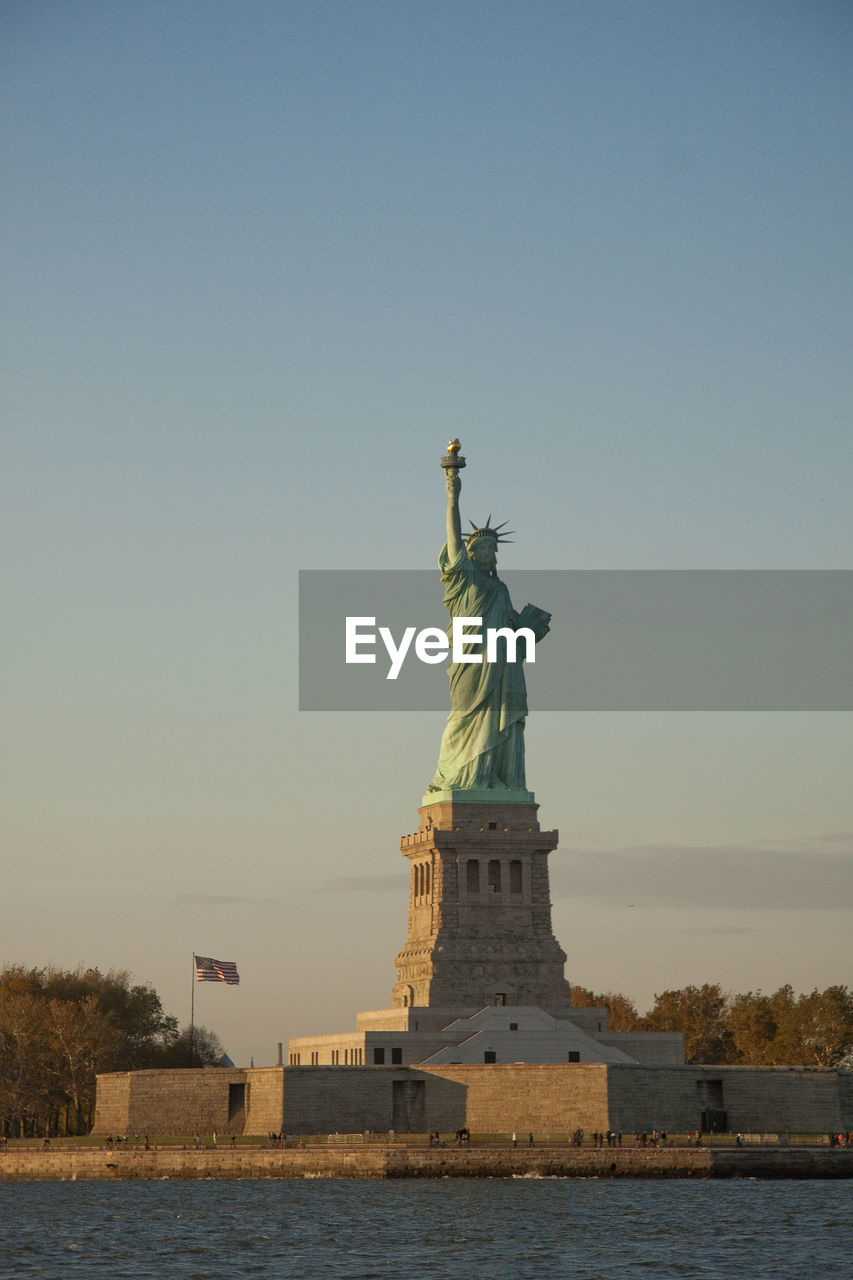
829,842
213,899
363,884
723,930
807,875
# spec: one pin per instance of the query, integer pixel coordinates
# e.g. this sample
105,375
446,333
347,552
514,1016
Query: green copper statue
483,743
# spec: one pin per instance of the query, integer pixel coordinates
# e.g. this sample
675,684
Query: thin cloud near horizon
807,874
215,899
362,884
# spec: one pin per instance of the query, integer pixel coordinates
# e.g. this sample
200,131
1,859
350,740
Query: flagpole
192,1013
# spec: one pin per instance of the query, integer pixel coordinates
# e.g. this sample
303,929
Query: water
517,1229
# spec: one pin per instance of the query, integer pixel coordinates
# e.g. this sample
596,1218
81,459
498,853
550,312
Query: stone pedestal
480,907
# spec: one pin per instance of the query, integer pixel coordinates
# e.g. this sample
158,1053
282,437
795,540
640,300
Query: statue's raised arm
453,462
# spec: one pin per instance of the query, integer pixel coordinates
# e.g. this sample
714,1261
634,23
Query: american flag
209,970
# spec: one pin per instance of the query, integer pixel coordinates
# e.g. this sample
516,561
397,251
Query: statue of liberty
483,743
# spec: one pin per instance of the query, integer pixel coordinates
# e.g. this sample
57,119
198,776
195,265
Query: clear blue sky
259,262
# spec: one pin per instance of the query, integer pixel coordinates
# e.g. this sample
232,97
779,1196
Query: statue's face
484,553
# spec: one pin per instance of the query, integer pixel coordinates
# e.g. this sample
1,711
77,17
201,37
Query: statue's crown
486,531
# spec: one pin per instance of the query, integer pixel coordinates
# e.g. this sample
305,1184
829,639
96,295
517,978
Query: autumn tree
752,1024
82,1040
59,1028
621,1011
135,1010
699,1013
24,1060
753,1029
814,1029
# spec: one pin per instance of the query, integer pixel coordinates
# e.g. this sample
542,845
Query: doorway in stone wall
712,1113
237,1098
408,1106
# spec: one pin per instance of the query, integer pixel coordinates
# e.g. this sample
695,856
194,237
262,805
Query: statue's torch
453,460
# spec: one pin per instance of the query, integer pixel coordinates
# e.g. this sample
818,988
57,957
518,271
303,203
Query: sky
260,262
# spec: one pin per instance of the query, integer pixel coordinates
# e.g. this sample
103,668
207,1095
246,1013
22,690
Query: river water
453,1229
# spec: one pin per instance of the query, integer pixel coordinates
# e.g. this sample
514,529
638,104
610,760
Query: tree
59,1028
700,1014
621,1011
202,1049
136,1012
24,1061
752,1025
83,1040
814,1030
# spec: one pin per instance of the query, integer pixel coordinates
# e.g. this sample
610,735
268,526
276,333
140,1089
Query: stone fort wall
194,1100
488,1098
755,1099
498,1098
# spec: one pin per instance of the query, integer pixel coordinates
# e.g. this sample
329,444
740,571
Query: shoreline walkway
374,1160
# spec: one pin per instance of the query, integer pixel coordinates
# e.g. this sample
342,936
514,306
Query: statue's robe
483,743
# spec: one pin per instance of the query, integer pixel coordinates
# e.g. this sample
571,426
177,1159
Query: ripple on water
518,1229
